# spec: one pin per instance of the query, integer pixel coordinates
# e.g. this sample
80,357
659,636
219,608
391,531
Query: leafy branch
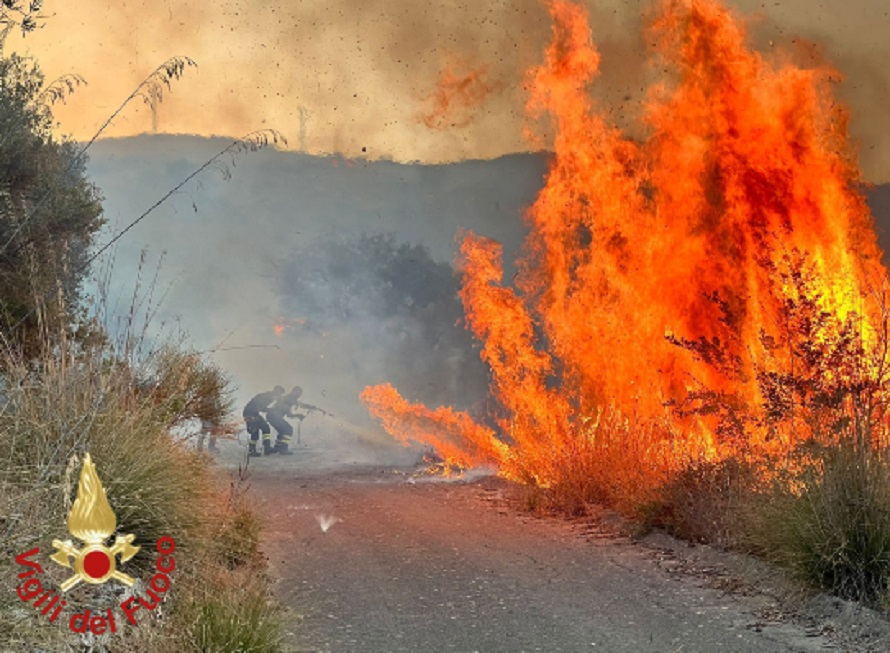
17,14
59,89
150,87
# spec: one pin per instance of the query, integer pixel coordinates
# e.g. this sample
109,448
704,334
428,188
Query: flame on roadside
688,237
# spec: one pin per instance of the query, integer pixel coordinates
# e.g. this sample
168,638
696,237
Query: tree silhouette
49,210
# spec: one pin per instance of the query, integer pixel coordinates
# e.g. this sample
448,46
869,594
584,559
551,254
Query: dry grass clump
827,518
614,460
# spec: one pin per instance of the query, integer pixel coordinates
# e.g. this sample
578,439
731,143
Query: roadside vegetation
70,385
814,496
82,399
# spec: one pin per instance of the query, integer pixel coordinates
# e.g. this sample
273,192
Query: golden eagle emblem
92,521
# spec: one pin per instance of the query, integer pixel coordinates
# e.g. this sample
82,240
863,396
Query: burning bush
714,289
703,235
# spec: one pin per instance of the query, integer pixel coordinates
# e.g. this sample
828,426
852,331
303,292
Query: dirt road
372,558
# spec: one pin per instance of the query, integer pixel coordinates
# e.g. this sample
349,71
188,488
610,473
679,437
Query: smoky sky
356,77
392,310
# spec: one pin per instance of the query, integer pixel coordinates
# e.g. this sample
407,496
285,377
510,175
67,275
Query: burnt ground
378,557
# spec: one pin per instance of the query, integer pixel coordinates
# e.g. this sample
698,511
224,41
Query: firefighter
255,422
211,429
282,410
277,415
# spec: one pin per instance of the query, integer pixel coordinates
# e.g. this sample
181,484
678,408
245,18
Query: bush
701,502
71,402
49,210
55,411
829,520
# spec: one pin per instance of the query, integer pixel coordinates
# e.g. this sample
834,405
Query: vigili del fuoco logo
92,521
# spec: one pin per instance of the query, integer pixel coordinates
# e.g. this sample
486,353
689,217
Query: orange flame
454,435
287,323
456,94
638,246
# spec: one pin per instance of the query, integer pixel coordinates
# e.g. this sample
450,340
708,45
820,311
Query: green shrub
242,621
829,521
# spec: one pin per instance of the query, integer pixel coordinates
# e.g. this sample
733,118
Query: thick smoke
313,271
355,77
352,263
388,311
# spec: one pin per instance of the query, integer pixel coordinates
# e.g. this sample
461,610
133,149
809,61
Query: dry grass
614,460
823,512
700,502
85,400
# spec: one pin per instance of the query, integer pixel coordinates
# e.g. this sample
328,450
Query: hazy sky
343,75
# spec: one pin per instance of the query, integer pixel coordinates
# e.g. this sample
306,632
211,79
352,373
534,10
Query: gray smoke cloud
351,261
386,311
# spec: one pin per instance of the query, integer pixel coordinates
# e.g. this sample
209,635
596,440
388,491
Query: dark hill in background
879,201
352,259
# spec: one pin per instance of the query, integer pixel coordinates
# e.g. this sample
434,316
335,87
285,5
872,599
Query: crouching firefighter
280,412
255,423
